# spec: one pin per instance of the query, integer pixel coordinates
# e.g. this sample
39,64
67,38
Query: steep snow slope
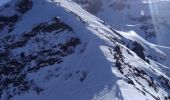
56,50
147,18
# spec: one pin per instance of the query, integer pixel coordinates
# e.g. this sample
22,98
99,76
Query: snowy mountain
147,18
55,50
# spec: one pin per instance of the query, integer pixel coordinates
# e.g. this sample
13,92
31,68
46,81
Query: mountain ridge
56,49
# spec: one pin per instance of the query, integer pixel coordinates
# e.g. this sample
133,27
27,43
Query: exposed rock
139,50
24,5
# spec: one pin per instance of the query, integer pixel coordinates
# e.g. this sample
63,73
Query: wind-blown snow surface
56,50
147,18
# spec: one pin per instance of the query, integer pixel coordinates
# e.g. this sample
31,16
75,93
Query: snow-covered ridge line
58,50
90,20
149,20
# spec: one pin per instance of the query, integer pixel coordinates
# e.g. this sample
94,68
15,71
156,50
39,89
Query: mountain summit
55,50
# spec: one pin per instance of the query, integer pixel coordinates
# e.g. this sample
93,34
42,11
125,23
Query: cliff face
54,49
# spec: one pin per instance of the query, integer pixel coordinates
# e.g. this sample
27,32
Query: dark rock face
139,50
119,59
8,21
24,5
164,82
14,70
43,27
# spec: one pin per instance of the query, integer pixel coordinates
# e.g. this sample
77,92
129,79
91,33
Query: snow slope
147,18
53,49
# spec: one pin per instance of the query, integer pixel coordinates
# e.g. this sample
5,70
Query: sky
3,1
